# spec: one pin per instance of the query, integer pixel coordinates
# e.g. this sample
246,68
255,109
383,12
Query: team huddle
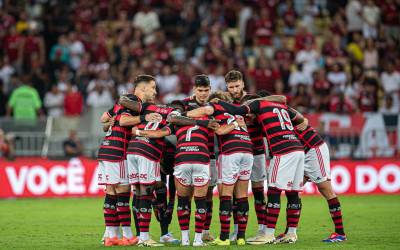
208,140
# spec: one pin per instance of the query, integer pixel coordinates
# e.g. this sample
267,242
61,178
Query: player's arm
165,131
186,121
227,128
127,120
200,112
130,104
233,109
108,124
297,119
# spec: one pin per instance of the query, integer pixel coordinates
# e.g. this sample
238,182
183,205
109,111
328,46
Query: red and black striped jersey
114,145
190,104
150,148
275,119
309,138
191,145
238,140
256,135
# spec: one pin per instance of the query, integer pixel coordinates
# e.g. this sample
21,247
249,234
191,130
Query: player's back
236,141
276,121
147,147
114,145
309,137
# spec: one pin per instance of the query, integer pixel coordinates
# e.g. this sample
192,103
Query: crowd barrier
38,177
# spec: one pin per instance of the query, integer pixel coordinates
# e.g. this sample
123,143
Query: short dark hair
233,76
201,81
249,97
143,79
221,96
177,104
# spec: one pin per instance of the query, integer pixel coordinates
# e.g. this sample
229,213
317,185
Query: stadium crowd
338,56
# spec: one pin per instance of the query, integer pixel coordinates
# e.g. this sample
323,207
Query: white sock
270,230
235,228
260,227
206,231
144,236
113,232
292,230
185,236
197,237
106,232
127,232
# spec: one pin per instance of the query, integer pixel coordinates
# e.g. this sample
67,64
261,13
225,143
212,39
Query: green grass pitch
371,222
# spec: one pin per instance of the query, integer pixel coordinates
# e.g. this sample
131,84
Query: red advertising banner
37,177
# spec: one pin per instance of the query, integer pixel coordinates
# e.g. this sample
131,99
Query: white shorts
259,170
317,164
234,167
197,175
111,173
213,173
286,172
142,170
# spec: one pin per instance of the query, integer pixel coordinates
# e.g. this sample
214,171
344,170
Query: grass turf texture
371,222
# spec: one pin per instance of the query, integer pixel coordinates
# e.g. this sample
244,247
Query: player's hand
134,129
153,117
302,125
213,124
112,121
241,122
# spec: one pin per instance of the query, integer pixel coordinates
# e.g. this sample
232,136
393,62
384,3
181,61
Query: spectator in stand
99,97
340,104
289,15
354,16
264,75
73,101
6,71
371,57
217,79
301,99
355,48
322,91
3,99
308,56
72,145
147,20
64,76
368,96
174,95
24,102
388,107
337,77
12,46
76,49
60,51
32,44
6,146
298,76
333,51
390,80
54,102
390,18
370,15
168,80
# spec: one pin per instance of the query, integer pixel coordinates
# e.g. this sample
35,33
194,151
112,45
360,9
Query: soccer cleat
207,237
233,236
199,244
149,243
128,242
279,238
219,242
240,242
108,242
185,243
335,237
288,238
169,238
260,234
262,239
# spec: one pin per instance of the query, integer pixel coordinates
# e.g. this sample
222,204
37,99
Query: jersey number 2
284,118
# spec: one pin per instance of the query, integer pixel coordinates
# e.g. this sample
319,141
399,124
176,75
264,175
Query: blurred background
63,63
